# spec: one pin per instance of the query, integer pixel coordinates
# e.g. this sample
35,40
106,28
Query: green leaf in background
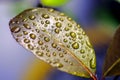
112,59
56,39
54,3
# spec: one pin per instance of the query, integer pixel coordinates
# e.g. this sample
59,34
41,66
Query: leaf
112,60
56,39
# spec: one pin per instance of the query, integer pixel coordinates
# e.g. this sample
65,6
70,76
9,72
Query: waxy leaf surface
56,39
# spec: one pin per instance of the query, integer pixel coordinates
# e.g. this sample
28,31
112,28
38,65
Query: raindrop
45,16
39,53
46,39
32,36
58,24
73,35
75,45
15,29
26,40
26,26
32,17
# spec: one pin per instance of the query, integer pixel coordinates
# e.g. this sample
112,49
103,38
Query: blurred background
99,18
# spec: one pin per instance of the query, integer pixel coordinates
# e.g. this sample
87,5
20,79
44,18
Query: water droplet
42,22
69,25
70,63
30,47
43,48
19,35
32,36
32,17
39,53
82,51
26,26
83,32
74,73
83,56
75,45
69,19
54,53
88,44
54,45
48,61
57,30
45,16
47,22
61,54
34,24
78,25
93,63
65,40
67,34
25,19
15,29
61,19
25,33
73,35
45,25
62,14
66,29
68,46
59,49
51,10
48,54
58,24
59,65
66,60
80,37
46,39
40,42
26,40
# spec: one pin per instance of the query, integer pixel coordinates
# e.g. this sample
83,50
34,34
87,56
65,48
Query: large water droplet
57,30
26,26
75,45
30,47
15,29
58,24
32,36
45,16
32,17
93,63
73,35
